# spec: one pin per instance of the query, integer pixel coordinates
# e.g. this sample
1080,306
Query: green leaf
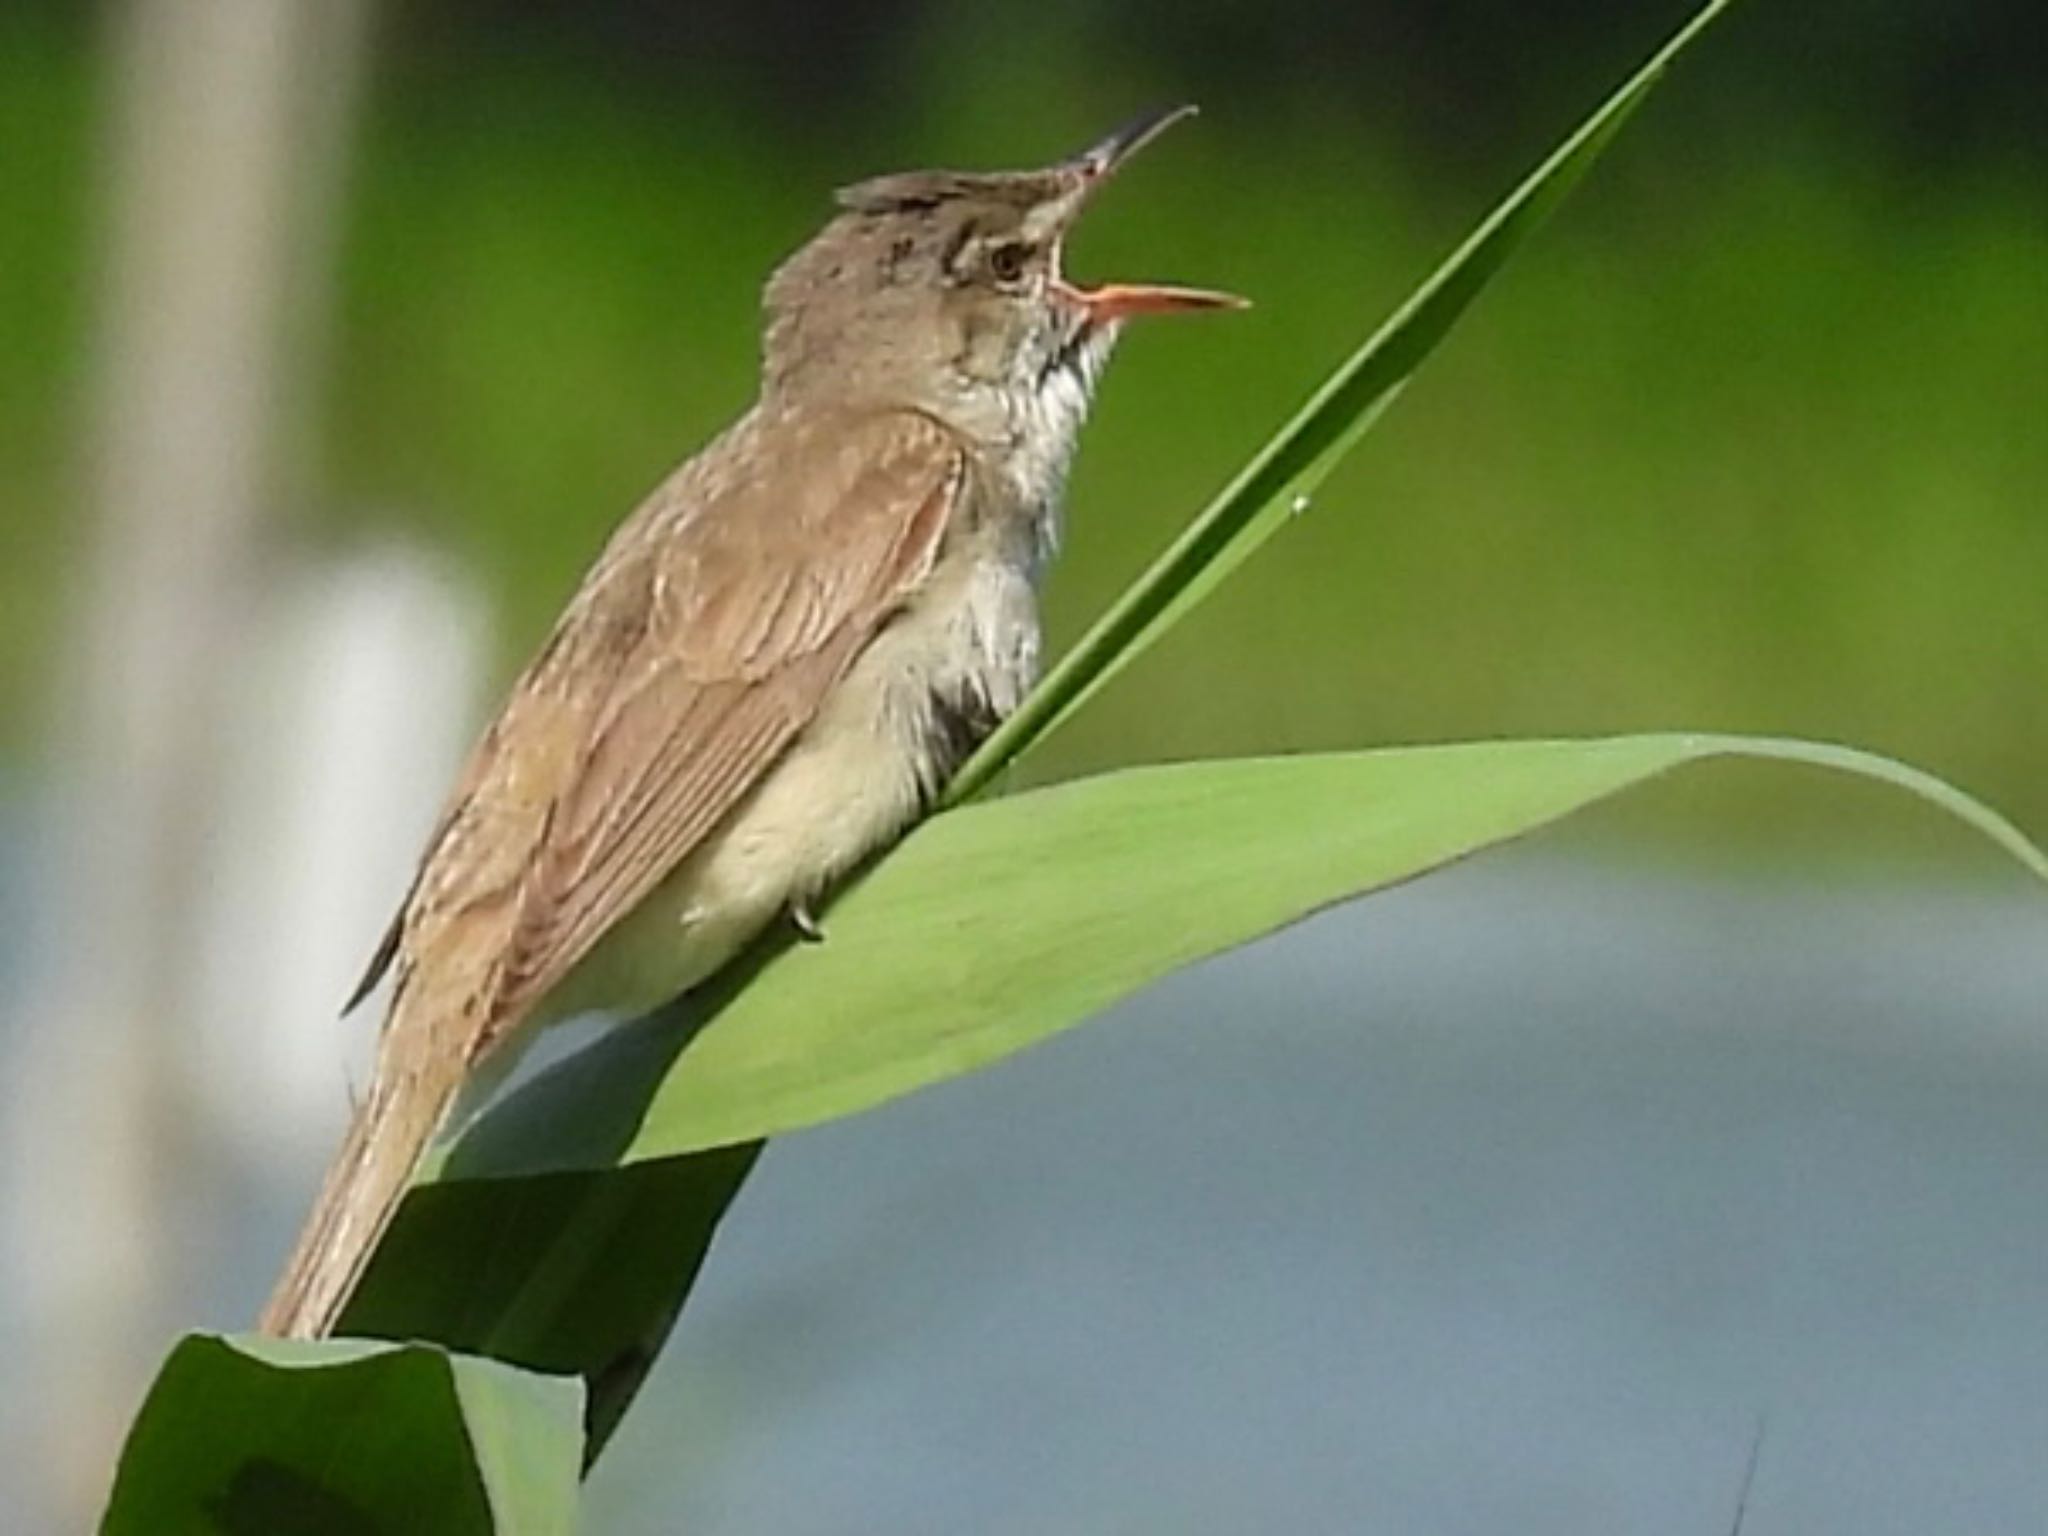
1281,479
999,925
573,1274
245,1436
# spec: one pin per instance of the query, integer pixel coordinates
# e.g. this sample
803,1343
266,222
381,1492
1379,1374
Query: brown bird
774,666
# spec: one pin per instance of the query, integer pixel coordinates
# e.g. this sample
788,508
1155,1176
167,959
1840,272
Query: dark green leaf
245,1436
574,1273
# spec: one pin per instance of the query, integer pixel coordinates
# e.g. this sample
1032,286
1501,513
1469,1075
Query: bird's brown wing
704,640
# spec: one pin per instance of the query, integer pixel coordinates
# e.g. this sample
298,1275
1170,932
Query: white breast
1046,414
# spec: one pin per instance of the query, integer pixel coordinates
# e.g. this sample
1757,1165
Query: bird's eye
1006,263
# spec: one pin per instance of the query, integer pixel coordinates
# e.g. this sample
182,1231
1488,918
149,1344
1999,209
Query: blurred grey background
340,334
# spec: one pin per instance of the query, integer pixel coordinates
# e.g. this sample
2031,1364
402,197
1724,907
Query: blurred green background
1751,439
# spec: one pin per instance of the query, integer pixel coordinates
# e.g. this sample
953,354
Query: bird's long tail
386,1141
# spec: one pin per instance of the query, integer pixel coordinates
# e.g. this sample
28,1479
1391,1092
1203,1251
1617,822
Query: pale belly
868,766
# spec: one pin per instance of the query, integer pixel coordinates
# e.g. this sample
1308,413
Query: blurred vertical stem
230,123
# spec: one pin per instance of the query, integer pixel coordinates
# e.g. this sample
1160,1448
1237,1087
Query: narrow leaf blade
1284,475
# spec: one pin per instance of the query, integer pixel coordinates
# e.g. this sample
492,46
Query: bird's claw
805,921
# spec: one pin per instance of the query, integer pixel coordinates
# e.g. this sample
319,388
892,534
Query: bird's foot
805,921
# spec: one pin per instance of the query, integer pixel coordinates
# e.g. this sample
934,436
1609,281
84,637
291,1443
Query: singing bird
774,665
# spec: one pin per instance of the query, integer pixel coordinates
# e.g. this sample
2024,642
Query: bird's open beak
1093,168
1117,301
1101,159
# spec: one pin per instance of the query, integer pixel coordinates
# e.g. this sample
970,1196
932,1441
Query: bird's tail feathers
386,1141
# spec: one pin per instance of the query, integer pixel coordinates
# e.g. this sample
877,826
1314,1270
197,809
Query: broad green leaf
1001,924
572,1274
1282,478
246,1436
